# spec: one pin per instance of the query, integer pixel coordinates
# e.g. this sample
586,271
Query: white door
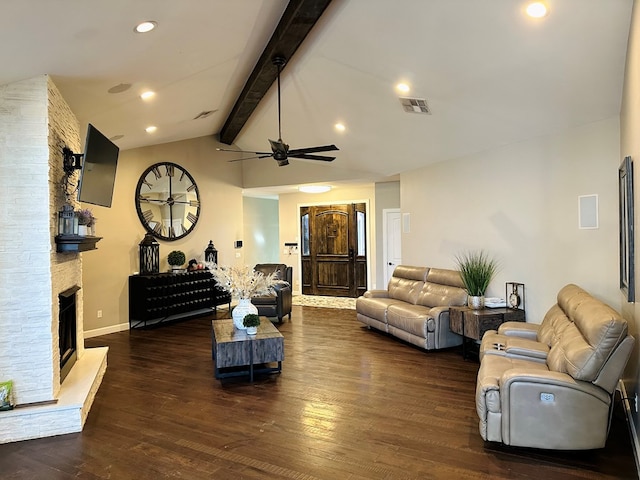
392,243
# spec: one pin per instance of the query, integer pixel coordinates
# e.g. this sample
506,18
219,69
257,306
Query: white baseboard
632,426
106,330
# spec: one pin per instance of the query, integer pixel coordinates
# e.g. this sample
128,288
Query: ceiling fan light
314,188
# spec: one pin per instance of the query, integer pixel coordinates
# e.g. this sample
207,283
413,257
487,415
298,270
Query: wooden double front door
333,250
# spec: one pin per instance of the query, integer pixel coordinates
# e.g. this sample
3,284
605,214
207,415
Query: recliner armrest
519,329
376,294
512,378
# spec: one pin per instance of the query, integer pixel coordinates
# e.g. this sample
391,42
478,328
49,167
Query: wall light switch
238,254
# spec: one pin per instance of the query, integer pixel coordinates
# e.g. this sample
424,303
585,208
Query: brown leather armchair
279,303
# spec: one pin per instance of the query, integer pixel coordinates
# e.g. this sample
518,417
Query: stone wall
35,124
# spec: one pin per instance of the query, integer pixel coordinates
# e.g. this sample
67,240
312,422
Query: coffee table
234,348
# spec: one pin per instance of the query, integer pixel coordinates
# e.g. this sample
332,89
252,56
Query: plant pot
252,330
83,230
243,308
475,303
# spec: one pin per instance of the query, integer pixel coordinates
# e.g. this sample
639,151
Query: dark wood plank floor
350,404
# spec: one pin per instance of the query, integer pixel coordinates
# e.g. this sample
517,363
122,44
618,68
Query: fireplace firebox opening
67,329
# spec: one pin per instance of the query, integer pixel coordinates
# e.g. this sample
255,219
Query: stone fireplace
35,123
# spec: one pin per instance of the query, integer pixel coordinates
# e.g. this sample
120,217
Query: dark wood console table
472,324
162,297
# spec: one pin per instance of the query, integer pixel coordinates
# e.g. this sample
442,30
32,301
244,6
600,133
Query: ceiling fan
279,150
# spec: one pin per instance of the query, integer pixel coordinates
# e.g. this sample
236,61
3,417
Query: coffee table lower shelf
237,354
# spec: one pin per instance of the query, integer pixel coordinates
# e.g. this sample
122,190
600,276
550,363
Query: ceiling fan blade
325,148
306,156
264,155
242,151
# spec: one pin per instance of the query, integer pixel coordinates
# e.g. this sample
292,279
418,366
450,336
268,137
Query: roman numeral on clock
191,217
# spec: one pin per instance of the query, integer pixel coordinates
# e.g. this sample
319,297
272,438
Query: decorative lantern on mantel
67,221
211,254
149,255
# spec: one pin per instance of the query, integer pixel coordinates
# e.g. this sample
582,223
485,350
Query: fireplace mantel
76,243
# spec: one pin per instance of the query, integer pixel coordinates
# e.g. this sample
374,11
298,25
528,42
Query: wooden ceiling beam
297,21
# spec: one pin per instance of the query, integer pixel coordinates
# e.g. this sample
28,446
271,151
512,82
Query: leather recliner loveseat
551,385
415,306
279,303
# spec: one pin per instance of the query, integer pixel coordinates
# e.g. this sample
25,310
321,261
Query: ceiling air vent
415,105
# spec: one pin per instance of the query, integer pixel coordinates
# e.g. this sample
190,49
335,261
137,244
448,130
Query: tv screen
98,169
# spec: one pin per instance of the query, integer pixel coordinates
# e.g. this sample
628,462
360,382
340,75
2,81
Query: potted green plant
251,321
176,259
476,269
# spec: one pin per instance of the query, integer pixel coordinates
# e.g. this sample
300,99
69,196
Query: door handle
390,263
351,253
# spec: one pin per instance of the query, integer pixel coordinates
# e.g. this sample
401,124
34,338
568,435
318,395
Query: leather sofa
551,385
279,303
415,306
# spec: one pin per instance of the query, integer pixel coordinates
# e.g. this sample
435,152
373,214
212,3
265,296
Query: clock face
167,201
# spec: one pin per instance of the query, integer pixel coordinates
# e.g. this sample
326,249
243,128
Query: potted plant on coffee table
252,322
176,259
476,269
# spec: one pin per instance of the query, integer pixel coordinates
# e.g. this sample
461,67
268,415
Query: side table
472,324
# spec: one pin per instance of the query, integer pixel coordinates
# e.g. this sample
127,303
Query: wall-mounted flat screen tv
98,175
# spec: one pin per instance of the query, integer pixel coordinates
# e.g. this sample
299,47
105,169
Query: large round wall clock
167,201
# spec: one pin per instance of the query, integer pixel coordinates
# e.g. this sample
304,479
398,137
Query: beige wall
106,270
261,231
289,224
630,145
520,203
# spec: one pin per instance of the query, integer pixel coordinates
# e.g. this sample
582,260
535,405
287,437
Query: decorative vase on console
244,308
243,282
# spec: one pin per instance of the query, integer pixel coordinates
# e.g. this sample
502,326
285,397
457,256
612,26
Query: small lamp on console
67,221
149,255
210,254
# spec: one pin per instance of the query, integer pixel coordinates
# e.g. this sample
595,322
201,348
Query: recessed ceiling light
147,95
116,137
145,27
403,88
314,188
537,9
151,129
340,127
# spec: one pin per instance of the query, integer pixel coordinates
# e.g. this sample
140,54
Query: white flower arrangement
244,282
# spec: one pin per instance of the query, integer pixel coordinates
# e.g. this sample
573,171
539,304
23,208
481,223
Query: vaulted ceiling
489,74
